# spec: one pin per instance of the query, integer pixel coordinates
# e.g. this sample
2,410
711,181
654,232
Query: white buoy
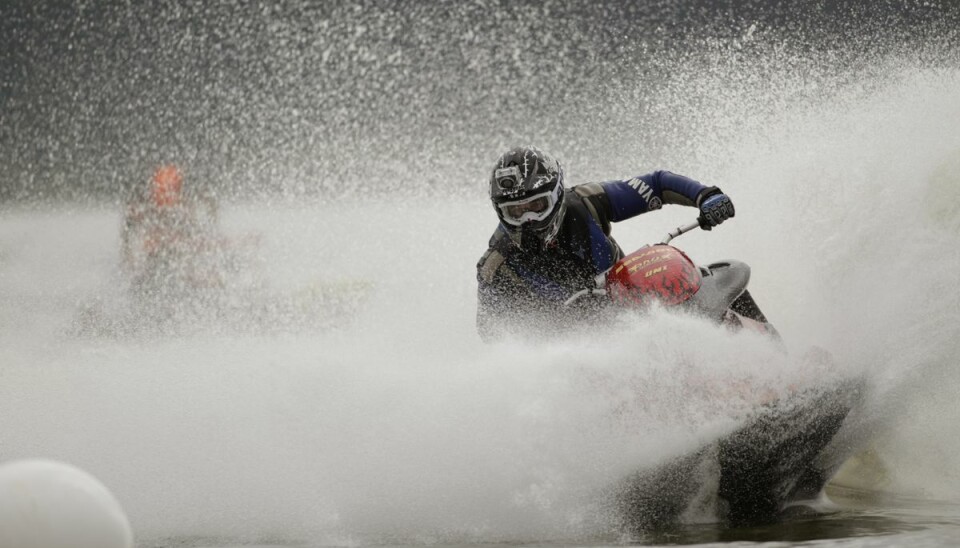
49,504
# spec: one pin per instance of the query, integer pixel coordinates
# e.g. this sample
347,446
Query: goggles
535,208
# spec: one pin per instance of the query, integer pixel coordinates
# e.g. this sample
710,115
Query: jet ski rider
165,226
553,241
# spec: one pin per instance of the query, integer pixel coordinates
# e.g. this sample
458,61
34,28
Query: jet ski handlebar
680,231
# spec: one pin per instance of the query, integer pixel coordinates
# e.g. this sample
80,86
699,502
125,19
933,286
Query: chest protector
581,251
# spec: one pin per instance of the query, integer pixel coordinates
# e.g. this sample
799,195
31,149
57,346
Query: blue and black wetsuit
516,288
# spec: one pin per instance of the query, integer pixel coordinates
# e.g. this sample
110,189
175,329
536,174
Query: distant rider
553,241
165,226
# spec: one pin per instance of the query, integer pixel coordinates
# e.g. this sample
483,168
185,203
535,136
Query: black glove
715,207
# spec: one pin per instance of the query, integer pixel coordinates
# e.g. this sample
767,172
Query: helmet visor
535,208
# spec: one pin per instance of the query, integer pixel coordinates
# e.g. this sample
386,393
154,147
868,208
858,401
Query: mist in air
352,142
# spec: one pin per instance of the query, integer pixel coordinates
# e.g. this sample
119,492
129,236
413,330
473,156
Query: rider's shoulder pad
588,189
489,264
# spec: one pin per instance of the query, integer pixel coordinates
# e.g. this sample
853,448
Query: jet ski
214,288
775,465
783,453
663,274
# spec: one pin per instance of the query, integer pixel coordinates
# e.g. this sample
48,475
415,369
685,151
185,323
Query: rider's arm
618,200
498,293
489,312
491,299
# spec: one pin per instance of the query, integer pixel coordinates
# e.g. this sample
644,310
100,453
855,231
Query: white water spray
400,426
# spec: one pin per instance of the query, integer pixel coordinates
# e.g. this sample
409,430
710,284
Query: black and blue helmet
526,188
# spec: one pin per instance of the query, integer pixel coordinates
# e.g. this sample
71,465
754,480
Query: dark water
348,98
857,519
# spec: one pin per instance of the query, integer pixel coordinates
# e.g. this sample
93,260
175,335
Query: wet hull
752,476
